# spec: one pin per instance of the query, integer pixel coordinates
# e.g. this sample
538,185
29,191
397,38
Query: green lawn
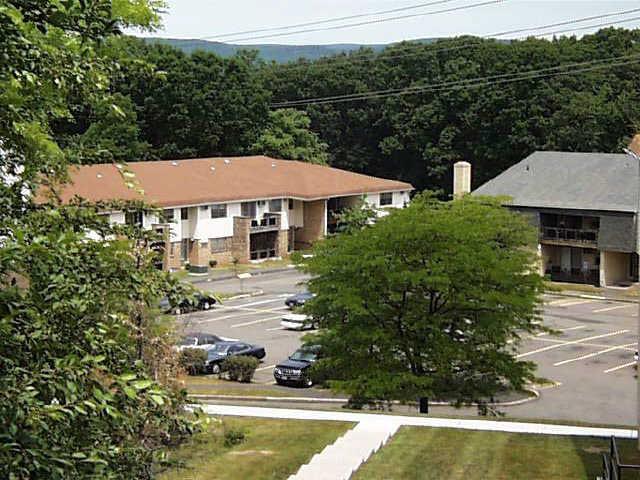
212,385
273,449
426,453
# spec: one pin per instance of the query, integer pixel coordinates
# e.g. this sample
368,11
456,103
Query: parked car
295,370
299,299
297,321
222,350
201,340
200,301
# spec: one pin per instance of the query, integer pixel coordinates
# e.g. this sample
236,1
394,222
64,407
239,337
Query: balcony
268,223
569,236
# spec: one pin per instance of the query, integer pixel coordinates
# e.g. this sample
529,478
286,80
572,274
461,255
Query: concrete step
341,459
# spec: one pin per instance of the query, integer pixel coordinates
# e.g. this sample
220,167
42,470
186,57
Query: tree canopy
86,373
287,136
428,302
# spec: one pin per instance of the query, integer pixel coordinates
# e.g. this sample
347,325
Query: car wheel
215,368
308,382
206,306
279,382
177,310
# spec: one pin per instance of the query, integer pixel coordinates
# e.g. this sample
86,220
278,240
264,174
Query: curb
592,297
253,274
244,398
257,293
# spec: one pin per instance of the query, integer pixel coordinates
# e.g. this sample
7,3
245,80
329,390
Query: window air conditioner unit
261,203
204,207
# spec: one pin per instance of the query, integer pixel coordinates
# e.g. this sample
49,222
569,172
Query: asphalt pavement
590,359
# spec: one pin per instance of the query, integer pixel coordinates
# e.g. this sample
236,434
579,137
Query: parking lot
590,358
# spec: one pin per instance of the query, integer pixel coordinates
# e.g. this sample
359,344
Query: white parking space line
255,322
619,367
270,367
563,302
586,344
572,342
252,304
242,313
594,354
617,307
570,329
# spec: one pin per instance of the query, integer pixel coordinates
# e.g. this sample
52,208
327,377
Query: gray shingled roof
584,181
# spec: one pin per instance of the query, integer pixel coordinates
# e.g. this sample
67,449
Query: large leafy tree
428,302
288,136
85,390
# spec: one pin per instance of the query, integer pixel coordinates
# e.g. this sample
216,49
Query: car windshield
304,356
188,341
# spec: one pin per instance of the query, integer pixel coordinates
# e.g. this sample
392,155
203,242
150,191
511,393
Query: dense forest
178,105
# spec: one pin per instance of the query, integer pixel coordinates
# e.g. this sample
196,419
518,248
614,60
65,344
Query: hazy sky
208,18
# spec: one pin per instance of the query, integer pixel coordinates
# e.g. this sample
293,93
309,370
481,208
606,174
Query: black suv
295,370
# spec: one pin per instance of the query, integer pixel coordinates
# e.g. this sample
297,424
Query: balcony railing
570,235
265,224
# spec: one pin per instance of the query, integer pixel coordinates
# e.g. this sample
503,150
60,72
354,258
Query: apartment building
215,210
585,207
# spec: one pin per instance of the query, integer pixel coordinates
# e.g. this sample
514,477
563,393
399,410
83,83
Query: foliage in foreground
85,358
429,302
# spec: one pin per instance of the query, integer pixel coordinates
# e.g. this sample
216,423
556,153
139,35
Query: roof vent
212,168
273,164
526,167
99,175
174,163
227,161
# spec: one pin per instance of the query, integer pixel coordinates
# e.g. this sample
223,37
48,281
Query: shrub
213,263
233,437
193,360
240,368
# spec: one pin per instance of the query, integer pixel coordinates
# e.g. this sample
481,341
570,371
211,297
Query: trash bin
424,404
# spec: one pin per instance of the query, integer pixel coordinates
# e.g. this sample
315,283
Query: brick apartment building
247,208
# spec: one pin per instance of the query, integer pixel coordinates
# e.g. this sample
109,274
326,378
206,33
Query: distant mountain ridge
269,52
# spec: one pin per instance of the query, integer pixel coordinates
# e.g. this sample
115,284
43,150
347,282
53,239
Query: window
386,198
133,218
275,205
168,215
184,213
219,245
248,209
291,204
219,210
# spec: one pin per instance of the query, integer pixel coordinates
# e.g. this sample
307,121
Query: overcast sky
208,18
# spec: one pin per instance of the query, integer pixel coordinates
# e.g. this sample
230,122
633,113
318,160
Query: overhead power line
370,22
549,72
329,20
414,49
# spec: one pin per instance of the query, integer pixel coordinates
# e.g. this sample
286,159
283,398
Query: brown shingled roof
209,180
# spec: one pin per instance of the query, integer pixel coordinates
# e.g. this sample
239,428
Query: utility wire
328,20
411,48
474,82
370,22
483,84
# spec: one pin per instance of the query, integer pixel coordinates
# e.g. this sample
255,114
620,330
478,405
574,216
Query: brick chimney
461,179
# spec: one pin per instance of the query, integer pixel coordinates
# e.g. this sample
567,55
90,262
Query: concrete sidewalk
465,424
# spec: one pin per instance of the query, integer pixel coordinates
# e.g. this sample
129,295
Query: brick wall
282,245
173,256
240,241
314,223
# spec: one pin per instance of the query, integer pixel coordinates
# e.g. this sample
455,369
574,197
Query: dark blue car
217,354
